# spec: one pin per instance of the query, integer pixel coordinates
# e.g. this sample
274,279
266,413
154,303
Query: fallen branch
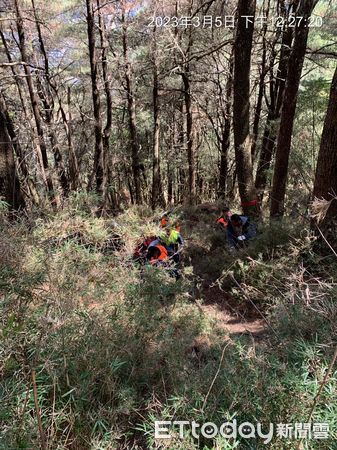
327,242
215,376
19,63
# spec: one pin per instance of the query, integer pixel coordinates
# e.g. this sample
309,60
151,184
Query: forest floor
217,305
235,317
114,346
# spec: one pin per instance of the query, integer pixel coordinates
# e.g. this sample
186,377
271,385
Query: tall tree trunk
34,102
20,157
9,182
276,91
186,78
48,105
189,136
48,102
108,124
325,186
257,114
170,174
226,132
170,159
263,72
157,197
241,106
99,150
15,73
136,167
73,162
67,118
266,154
296,61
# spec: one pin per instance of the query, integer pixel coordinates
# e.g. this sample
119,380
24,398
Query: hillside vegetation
94,349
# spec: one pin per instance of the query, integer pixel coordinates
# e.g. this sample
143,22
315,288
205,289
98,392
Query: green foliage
116,348
4,206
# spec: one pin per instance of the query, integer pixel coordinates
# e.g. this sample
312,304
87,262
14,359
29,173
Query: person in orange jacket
224,219
157,254
163,222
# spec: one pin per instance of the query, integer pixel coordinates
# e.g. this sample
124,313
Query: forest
168,220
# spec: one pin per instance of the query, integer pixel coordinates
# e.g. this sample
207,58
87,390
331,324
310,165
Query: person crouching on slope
172,240
157,255
239,230
224,218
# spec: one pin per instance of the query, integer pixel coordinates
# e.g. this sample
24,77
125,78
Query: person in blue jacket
239,230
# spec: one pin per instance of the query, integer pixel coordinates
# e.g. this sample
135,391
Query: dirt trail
234,318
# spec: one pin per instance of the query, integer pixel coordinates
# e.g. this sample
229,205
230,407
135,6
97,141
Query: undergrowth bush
114,348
